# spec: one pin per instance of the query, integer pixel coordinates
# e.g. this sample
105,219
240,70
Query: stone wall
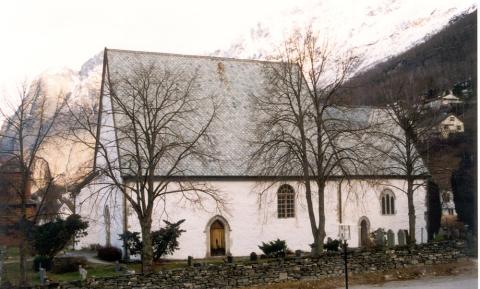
272,271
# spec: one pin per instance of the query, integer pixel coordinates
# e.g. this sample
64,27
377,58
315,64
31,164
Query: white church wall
366,203
250,225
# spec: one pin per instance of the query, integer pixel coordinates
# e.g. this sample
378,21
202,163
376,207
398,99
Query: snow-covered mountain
67,158
375,29
69,162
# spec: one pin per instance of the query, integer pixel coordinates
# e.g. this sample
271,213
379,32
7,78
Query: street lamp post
344,235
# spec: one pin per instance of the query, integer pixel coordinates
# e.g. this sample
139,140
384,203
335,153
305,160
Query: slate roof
232,82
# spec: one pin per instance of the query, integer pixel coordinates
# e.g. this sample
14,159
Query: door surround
227,231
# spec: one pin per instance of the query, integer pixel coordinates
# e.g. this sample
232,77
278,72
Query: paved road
450,282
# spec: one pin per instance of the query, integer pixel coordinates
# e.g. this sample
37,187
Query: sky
40,34
57,33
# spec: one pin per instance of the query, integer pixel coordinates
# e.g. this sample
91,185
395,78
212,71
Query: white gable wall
91,201
91,206
451,124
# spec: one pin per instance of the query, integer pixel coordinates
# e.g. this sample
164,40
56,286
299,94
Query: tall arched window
388,202
286,202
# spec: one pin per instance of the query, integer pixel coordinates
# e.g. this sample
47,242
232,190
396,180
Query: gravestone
402,238
82,272
379,237
390,238
42,275
117,266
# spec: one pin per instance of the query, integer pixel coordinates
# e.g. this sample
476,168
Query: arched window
446,197
388,203
286,202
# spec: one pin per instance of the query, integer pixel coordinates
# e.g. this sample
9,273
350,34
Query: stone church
365,201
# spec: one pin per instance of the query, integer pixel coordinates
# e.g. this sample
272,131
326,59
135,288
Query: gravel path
90,256
449,282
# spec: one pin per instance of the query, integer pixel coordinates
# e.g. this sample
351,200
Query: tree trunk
147,249
321,218
319,234
23,235
317,246
313,223
411,212
23,263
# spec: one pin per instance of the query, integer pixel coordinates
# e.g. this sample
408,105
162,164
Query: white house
448,206
449,99
449,124
366,201
443,101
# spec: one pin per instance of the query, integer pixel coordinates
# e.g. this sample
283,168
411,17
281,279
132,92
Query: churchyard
300,270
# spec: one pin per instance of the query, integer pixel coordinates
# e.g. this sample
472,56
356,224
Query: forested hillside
446,61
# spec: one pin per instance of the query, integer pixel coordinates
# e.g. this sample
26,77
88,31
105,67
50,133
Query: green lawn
12,273
100,270
94,270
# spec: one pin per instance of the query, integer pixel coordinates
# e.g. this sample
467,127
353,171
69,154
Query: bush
274,249
164,241
132,242
253,256
109,254
45,261
62,265
52,237
332,245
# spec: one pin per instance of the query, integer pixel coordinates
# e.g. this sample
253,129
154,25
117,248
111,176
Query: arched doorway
218,236
364,225
217,239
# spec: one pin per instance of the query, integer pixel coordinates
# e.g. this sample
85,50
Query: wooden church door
363,233
217,239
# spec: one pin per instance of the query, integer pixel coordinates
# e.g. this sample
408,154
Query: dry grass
466,267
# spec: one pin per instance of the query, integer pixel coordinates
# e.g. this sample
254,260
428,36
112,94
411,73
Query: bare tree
162,127
302,131
405,111
24,134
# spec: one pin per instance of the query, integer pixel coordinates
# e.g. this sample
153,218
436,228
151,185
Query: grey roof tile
232,82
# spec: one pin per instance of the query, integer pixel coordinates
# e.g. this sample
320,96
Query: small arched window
388,203
286,202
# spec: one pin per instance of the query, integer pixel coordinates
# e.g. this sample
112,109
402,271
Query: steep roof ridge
191,56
